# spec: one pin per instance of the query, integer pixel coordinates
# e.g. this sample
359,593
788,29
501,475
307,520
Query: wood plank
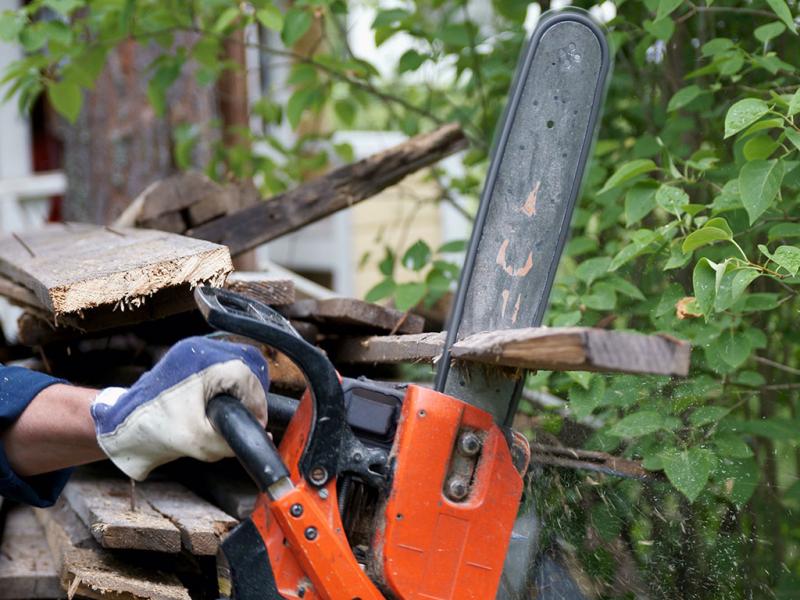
201,524
91,572
27,569
104,506
224,483
387,349
270,291
333,313
72,268
341,188
561,349
19,295
577,349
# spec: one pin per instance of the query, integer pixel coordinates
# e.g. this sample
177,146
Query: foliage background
689,225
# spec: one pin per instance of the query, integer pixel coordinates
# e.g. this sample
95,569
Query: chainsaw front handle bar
248,440
231,312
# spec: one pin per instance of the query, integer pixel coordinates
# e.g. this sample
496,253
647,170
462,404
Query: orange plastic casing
425,546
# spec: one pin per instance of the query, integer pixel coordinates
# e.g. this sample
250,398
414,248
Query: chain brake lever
228,311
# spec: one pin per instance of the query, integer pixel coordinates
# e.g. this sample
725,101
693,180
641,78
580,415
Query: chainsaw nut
469,444
311,533
296,510
456,489
318,475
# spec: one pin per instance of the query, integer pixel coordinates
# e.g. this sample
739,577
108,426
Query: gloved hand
163,415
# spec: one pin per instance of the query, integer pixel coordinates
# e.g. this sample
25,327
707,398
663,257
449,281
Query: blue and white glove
163,415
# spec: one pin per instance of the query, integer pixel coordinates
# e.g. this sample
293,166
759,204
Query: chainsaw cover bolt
311,533
456,489
319,475
296,510
469,444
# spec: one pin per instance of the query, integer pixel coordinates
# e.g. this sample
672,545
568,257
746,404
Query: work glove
163,415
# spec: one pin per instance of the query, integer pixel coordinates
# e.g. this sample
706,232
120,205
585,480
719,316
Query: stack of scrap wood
102,304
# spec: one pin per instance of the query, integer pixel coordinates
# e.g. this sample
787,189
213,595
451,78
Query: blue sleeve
18,387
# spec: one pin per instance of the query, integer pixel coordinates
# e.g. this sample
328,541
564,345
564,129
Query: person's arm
54,432
47,425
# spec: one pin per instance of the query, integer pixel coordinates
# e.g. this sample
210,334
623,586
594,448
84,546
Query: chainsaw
397,490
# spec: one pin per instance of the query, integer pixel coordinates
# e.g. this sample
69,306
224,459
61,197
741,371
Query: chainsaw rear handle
231,312
248,440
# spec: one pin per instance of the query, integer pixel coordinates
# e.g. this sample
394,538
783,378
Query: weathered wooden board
577,349
87,571
347,314
341,188
72,268
224,483
104,506
272,292
27,569
201,524
561,349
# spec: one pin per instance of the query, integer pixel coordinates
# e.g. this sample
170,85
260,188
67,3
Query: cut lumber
341,188
558,349
88,571
348,314
224,483
72,268
104,506
577,349
269,291
201,524
19,295
27,569
387,349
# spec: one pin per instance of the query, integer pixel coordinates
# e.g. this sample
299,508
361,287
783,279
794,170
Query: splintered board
71,268
551,348
27,569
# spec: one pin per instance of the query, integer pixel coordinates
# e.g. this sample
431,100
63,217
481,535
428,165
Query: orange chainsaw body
424,545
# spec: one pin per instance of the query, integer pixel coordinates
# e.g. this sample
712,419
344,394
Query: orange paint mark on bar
529,208
505,295
516,309
501,261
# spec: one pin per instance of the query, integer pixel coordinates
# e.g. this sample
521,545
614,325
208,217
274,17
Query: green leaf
66,98
603,297
453,246
298,103
582,401
625,287
704,236
417,256
638,424
704,280
270,17
345,109
739,478
672,199
408,295
410,61
794,137
743,113
780,8
689,470
64,7
732,445
661,29
592,269
782,231
759,184
732,348
759,147
683,97
716,46
382,290
794,104
628,171
667,7
226,19
295,25
767,32
639,201
11,24
386,266
786,257
707,414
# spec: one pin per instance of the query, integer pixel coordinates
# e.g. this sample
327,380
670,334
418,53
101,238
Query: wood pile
102,304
